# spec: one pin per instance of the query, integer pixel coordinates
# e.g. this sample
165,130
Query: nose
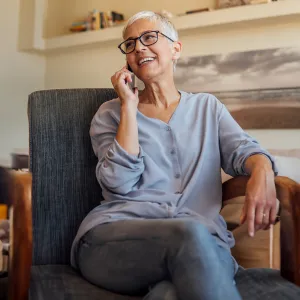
139,46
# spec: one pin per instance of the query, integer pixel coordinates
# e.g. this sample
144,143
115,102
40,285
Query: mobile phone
132,83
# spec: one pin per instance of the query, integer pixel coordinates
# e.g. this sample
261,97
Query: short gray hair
167,26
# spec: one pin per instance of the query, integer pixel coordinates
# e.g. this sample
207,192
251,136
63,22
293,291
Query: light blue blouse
177,172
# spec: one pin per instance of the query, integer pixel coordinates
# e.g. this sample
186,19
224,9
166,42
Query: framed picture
260,88
231,3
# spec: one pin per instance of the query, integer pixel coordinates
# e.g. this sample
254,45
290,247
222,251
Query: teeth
145,59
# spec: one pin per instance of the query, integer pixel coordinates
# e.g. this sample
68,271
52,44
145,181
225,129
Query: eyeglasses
147,39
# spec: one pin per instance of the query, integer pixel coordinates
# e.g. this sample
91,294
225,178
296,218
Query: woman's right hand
120,83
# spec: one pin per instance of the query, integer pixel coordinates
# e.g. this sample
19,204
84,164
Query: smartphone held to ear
132,83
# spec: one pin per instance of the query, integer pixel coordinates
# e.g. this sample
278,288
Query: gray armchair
65,189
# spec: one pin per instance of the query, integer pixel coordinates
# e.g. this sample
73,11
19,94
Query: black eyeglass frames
147,39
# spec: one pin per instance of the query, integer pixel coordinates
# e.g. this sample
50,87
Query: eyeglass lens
147,39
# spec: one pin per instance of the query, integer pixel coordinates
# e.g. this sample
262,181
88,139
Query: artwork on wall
260,88
231,3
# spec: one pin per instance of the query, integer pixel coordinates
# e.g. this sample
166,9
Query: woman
160,153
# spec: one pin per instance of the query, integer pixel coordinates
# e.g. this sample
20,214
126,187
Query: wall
20,74
93,66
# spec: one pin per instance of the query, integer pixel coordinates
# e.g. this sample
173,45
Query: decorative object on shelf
260,1
194,11
20,159
231,3
260,84
97,20
165,13
80,26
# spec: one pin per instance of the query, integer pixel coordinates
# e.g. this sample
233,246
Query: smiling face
150,63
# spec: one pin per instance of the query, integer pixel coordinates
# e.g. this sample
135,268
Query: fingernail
251,234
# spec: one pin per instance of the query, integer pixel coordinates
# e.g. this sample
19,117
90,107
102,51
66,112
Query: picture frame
231,3
260,88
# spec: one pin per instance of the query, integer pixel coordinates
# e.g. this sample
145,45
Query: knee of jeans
190,229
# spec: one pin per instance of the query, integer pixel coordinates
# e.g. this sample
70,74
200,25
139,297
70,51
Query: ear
177,48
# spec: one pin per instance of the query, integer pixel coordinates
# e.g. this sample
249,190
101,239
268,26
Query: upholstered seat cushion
50,282
266,284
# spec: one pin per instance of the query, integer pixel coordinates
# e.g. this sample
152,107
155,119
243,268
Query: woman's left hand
260,203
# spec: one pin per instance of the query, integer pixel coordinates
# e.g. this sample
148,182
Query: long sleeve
236,145
117,170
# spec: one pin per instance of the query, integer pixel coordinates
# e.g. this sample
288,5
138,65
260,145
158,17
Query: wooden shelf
287,8
84,38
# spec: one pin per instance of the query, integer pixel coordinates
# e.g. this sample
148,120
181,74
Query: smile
146,60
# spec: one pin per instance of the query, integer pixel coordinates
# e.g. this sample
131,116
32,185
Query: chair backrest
62,162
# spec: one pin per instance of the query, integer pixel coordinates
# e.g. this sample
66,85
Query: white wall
93,66
20,74
277,139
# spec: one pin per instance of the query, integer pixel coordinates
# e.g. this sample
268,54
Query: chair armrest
288,193
20,254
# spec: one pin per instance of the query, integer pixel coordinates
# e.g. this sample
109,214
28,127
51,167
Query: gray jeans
167,259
